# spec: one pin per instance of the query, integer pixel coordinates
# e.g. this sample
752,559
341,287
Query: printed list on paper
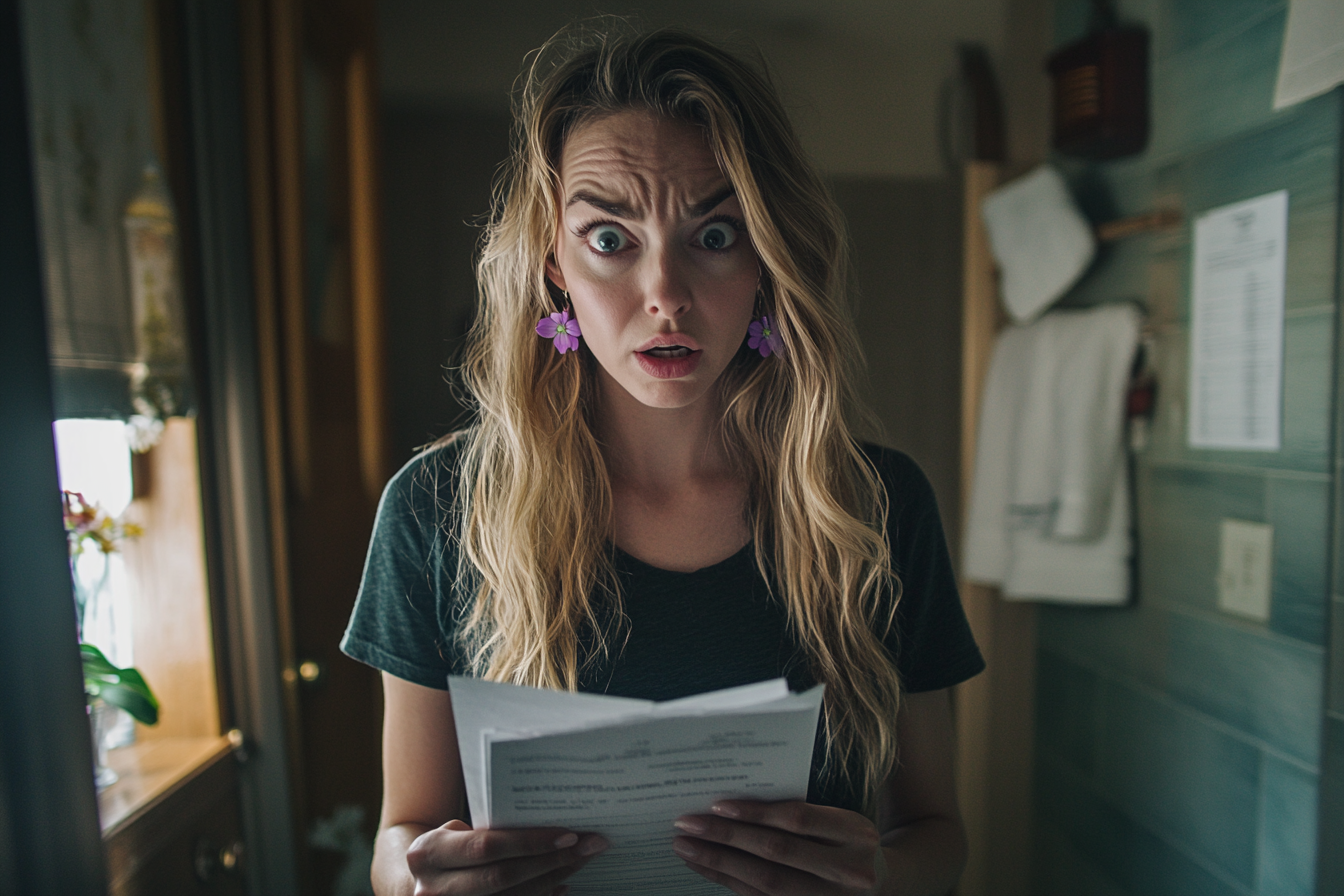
627,768
1236,325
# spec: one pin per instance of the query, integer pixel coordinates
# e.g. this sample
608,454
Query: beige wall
861,77
905,236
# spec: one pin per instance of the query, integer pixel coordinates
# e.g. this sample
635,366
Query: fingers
531,876
770,844
824,823
455,845
455,859
549,884
848,864
782,847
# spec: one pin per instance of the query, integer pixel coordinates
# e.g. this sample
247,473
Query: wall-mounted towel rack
1158,219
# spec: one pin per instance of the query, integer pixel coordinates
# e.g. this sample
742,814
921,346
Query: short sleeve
931,640
400,623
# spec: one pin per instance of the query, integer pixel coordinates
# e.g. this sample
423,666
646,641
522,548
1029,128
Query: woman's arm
423,846
422,778
764,849
924,842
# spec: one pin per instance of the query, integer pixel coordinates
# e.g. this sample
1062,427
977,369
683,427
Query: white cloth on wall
1041,242
1049,513
1312,58
1075,572
985,547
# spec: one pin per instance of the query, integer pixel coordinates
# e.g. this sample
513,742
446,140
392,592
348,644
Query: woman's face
654,253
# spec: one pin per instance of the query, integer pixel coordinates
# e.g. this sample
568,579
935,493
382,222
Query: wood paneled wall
995,711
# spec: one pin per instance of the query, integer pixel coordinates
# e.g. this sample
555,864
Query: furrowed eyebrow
615,209
704,208
620,210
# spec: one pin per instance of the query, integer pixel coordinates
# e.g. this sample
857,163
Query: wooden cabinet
186,835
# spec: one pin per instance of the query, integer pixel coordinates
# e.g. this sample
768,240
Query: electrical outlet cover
1245,569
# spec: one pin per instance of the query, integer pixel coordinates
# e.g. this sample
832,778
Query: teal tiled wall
1179,749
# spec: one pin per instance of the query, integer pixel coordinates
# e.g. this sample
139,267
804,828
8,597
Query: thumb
457,825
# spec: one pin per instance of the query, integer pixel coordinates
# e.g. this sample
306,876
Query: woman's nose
667,291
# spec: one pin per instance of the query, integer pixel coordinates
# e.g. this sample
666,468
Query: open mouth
669,362
667,351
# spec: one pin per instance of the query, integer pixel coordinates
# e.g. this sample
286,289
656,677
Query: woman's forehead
640,157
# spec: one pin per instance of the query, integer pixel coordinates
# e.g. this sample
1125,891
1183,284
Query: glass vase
100,585
101,717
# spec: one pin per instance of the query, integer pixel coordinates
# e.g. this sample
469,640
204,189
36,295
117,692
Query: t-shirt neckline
644,566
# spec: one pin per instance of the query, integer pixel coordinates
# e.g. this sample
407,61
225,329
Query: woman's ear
554,274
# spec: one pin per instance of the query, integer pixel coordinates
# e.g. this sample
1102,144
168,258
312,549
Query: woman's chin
658,392
663,394
672,395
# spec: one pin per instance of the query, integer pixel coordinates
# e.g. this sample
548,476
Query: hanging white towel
985,548
1042,243
1075,572
1049,512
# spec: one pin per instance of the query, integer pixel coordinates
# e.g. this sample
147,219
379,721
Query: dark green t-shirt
687,632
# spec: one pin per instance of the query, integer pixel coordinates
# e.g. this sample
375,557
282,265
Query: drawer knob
212,860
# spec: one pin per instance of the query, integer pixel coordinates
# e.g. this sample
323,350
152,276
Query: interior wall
1028,38
861,79
1329,857
437,168
905,237
1179,748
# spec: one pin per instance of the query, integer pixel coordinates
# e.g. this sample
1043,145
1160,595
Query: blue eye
718,235
607,240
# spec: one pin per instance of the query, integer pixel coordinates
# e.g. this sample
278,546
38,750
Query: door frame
238,535
50,840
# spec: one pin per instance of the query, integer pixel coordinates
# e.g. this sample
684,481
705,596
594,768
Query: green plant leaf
131,677
139,703
95,662
124,688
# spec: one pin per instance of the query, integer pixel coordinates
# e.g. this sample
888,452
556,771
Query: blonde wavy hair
535,505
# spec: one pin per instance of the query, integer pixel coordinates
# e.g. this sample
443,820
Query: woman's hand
422,784
774,849
455,860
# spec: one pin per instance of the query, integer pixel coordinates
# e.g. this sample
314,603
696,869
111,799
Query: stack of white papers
626,768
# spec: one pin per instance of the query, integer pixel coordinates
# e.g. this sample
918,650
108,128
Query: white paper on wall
1312,59
1236,326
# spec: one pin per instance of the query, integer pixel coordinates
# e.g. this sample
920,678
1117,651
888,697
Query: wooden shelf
149,770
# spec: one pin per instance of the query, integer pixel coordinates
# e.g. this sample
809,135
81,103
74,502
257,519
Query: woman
662,495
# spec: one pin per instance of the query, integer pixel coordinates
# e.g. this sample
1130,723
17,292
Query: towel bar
1159,219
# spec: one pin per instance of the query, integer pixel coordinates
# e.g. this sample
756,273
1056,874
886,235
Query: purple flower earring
764,336
561,329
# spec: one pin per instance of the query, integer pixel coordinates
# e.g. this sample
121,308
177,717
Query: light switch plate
1245,569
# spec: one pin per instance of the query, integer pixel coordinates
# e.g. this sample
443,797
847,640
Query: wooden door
309,68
